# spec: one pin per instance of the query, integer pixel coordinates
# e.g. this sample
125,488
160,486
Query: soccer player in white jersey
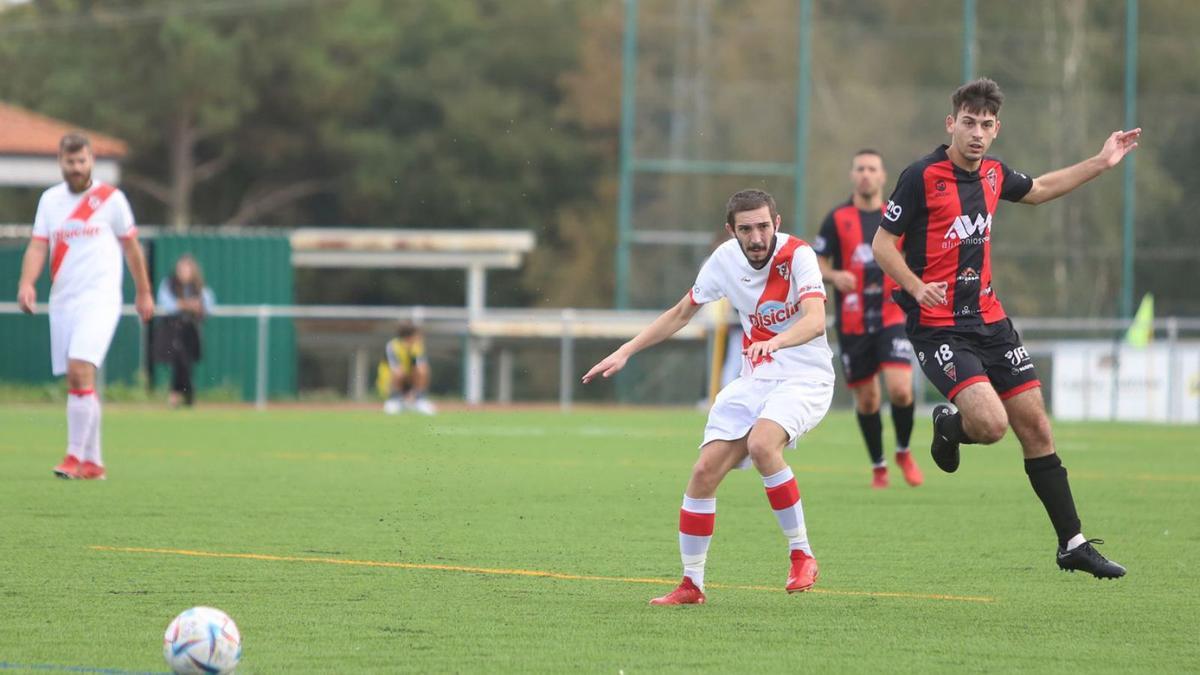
784,390
84,225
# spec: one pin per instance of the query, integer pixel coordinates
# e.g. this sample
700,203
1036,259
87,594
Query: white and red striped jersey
768,302
82,229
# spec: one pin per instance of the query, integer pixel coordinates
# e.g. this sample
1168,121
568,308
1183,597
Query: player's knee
761,449
900,396
706,473
867,402
991,430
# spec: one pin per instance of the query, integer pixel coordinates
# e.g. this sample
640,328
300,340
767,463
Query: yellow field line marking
515,573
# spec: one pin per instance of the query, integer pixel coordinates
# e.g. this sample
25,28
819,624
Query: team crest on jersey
950,371
991,178
785,269
94,202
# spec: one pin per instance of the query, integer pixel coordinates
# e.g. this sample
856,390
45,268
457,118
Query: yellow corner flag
1141,331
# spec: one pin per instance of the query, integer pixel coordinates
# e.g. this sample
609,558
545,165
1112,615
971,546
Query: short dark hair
749,200
977,96
406,330
868,151
72,143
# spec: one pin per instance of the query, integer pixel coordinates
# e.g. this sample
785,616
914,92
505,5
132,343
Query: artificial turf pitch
344,541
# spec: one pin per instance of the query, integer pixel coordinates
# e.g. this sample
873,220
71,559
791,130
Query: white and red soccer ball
202,640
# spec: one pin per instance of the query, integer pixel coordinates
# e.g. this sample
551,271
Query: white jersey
768,302
82,229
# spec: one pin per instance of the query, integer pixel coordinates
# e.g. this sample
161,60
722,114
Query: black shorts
956,357
863,355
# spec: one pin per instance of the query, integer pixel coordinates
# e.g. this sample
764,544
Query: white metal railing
569,325
566,325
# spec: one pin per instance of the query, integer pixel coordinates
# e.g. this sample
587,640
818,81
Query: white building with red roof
29,149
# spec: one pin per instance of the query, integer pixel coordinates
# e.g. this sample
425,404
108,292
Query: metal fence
520,355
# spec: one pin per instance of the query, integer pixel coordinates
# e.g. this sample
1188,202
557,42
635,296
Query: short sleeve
166,299
708,282
826,243
1016,184
807,274
122,223
906,200
41,224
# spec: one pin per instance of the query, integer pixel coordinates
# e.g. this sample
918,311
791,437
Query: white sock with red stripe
784,495
91,449
696,520
80,415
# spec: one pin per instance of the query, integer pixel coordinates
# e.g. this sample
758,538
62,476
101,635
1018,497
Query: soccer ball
202,640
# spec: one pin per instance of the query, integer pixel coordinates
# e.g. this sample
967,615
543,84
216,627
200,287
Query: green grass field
341,539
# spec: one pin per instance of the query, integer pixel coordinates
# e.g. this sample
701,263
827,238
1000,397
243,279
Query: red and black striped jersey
845,238
943,215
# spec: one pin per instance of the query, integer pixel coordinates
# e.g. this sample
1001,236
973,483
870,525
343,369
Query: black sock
1048,477
872,431
951,427
902,418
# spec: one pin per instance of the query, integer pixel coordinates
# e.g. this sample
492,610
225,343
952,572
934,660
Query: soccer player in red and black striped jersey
941,215
870,325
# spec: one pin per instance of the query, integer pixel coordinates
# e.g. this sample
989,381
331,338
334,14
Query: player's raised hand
144,303
608,367
1119,144
931,295
27,299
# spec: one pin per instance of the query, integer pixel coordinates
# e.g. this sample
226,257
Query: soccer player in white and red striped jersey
83,225
785,388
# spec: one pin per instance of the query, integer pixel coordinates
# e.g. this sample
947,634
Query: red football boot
92,471
68,468
686,593
804,572
879,477
912,473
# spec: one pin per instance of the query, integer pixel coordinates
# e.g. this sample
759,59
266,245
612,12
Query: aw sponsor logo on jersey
893,211
966,231
775,316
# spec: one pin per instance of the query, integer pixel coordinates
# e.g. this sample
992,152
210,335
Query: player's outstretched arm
1058,183
885,246
810,325
144,297
667,324
31,269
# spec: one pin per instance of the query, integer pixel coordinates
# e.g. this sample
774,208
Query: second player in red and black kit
870,325
941,215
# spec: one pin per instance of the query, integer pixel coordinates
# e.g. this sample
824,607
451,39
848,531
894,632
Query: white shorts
81,331
795,405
